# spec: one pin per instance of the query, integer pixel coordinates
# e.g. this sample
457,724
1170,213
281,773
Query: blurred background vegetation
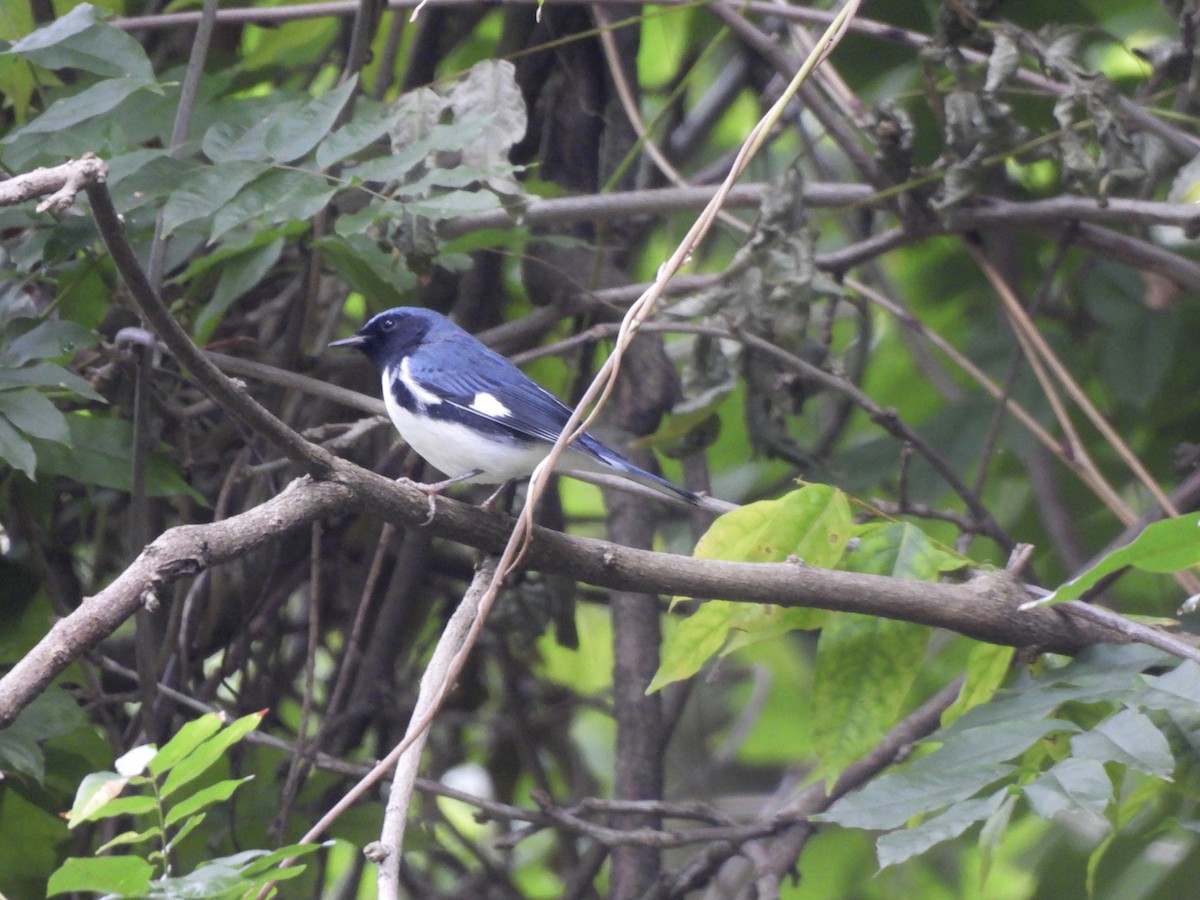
525,169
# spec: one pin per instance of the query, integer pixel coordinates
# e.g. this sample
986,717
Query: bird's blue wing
485,387
480,388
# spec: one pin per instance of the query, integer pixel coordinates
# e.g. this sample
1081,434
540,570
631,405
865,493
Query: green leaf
188,827
125,876
48,375
1076,785
987,667
186,740
264,864
238,276
453,203
293,135
708,631
133,805
866,666
19,754
53,714
30,412
228,142
33,840
1176,689
899,550
94,791
62,29
368,269
143,178
1166,546
813,523
79,40
127,838
207,191
993,831
1129,738
30,339
396,166
285,134
1099,674
242,872
371,122
97,100
16,86
214,793
211,879
276,197
214,260
135,162
15,450
103,457
198,761
356,223
959,768
900,846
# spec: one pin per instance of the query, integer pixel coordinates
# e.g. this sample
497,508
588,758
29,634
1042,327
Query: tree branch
984,608
58,184
224,390
781,853
438,677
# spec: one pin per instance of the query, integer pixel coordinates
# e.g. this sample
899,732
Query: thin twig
439,675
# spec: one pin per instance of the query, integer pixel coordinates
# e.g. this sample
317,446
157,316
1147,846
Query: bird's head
392,335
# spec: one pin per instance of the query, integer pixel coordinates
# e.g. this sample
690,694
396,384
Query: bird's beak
356,340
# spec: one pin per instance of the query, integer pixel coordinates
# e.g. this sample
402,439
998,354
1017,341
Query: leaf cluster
169,819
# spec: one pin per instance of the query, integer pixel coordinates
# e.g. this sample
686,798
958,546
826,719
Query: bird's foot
432,490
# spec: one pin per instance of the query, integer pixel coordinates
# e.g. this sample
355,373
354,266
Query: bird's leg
432,490
505,490
438,486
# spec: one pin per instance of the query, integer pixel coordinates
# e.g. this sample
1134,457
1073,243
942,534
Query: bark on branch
984,608
59,185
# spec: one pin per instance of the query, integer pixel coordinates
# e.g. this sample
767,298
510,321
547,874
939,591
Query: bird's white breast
454,448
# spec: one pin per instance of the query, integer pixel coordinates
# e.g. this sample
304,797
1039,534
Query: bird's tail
601,460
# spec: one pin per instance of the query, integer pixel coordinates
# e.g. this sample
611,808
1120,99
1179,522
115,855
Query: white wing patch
488,405
420,394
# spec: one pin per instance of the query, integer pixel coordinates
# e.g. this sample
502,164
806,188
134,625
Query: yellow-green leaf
812,523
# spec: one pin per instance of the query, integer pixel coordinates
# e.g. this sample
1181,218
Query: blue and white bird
470,412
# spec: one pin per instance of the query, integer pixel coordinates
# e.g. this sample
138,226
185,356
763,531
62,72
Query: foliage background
305,195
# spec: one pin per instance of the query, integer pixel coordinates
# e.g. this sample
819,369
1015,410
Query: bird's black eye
388,324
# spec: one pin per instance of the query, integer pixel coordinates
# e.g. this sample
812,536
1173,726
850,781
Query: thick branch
984,608
58,184
177,553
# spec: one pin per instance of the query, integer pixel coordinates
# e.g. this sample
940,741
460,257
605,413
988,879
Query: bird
471,413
